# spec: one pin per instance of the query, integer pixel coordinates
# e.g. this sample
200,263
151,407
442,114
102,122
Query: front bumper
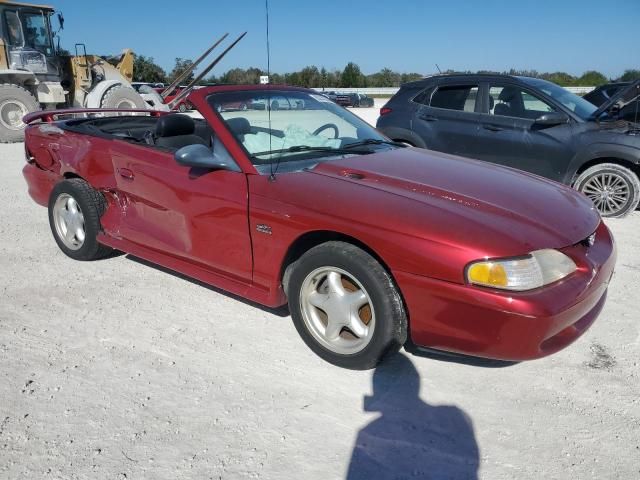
511,326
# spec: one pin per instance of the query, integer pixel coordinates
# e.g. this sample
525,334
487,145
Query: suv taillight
385,110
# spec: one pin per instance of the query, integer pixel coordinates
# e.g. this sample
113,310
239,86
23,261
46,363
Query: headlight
537,269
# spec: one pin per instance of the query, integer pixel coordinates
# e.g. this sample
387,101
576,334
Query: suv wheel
613,189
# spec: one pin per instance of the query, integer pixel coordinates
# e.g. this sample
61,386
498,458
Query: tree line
146,70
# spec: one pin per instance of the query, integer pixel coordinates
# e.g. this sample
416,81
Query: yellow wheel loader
35,75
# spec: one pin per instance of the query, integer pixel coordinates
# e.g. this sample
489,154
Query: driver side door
197,215
507,133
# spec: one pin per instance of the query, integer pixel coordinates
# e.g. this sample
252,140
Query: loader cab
27,38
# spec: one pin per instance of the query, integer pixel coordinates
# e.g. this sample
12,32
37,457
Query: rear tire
613,189
15,103
75,209
345,306
122,97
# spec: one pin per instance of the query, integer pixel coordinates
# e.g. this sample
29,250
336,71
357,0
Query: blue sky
405,35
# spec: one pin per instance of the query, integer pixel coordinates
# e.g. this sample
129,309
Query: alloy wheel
337,310
608,191
69,221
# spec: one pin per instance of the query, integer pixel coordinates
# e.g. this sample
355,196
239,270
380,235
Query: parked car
525,123
331,95
354,100
314,207
277,102
136,85
604,93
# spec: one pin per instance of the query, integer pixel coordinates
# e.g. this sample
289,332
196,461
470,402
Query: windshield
290,125
29,29
573,102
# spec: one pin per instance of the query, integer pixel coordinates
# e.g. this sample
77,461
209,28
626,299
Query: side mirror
61,21
201,156
551,119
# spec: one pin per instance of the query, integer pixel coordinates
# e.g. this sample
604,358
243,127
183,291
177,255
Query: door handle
429,118
126,173
493,128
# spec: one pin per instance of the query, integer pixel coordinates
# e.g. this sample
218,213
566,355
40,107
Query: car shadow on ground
411,438
282,311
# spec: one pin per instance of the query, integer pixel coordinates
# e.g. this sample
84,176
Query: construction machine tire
15,103
122,97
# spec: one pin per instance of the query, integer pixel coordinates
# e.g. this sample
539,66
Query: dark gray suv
525,123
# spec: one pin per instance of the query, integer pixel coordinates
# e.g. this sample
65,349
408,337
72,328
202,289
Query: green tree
293,78
181,65
384,78
310,77
276,79
629,76
146,70
561,78
241,76
352,76
592,78
410,77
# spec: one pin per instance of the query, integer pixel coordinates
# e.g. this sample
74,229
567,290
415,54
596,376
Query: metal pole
167,91
202,74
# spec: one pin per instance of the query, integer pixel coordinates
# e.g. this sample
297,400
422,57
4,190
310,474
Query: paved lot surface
118,370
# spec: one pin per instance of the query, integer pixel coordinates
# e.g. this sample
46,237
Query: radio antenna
184,93
272,173
169,90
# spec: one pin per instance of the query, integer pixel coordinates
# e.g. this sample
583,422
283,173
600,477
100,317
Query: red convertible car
374,246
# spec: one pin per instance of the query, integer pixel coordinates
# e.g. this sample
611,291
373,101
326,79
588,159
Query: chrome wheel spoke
72,205
69,235
66,216
80,235
357,326
335,283
333,329
317,299
357,299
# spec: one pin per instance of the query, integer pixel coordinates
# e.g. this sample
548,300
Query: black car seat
175,131
239,126
204,131
507,106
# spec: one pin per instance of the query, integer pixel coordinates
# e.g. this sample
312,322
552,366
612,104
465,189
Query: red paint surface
425,215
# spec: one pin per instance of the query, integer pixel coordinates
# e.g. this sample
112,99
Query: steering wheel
325,126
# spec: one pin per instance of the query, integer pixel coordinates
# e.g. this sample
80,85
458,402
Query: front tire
75,209
15,103
613,189
123,98
182,108
345,306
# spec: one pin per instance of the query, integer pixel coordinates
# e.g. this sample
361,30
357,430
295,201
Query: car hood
463,197
622,98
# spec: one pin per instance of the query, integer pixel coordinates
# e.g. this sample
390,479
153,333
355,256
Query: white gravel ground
118,370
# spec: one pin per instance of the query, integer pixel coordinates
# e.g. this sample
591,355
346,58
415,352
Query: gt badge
262,228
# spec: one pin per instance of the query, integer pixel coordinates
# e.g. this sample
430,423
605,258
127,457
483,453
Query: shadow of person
411,439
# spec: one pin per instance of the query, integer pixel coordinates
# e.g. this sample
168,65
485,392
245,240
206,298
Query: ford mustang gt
373,245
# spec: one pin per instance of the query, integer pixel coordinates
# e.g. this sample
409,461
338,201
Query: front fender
402,134
601,150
